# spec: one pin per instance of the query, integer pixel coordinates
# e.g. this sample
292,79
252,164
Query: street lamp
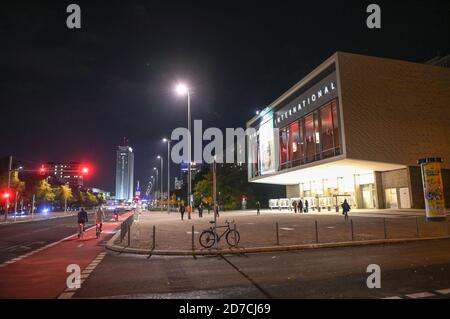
182,89
162,188
168,173
156,184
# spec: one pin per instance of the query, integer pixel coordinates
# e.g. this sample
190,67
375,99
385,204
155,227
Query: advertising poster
266,148
433,190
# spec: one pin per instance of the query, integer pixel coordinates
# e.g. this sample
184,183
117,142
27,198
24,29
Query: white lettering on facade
312,98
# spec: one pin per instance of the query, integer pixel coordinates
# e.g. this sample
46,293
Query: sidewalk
172,234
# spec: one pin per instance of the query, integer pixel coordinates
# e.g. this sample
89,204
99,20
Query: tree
44,192
64,195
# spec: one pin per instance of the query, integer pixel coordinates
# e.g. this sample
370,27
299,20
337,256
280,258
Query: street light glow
182,89
158,157
164,139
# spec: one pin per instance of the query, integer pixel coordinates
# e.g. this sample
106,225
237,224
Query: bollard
417,226
317,233
234,228
384,225
154,237
129,234
351,227
278,237
193,244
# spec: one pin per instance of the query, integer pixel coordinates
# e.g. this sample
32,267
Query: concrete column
379,191
358,195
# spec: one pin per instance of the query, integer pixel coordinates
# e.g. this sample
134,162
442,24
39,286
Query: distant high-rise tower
124,172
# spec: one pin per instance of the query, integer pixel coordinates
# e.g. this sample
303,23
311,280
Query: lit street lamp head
158,157
182,89
164,139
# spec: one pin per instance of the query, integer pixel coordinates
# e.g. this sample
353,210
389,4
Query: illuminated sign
311,99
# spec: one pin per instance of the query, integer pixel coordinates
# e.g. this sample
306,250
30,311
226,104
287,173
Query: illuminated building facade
354,129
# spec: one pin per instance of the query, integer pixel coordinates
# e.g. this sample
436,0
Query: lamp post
182,89
156,184
168,173
7,189
162,188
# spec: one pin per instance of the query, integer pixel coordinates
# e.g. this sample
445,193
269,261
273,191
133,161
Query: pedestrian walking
258,207
182,210
294,206
217,210
300,206
200,210
345,209
306,205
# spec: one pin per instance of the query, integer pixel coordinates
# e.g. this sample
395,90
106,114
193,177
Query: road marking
286,228
393,297
443,291
420,295
70,292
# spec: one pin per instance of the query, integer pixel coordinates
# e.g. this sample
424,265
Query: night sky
72,95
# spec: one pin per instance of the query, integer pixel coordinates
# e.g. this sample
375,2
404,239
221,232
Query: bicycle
80,230
207,237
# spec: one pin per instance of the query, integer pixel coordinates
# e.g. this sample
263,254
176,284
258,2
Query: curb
140,251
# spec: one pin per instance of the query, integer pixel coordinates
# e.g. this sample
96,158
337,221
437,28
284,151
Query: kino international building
354,128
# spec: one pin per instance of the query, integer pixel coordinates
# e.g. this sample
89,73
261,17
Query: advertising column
433,188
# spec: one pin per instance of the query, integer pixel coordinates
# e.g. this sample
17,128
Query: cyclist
99,217
82,220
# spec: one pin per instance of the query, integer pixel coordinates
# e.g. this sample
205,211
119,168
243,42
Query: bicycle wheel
207,239
233,238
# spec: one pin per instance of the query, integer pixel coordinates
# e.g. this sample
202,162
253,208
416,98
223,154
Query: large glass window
309,138
327,131
336,134
284,145
294,142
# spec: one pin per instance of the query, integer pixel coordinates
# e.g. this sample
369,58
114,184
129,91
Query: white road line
393,297
420,295
69,292
443,291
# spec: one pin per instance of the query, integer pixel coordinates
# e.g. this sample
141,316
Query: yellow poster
433,190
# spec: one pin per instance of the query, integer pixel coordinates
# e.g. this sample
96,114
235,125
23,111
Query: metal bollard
417,226
129,235
234,228
385,230
351,227
278,237
154,237
317,232
193,244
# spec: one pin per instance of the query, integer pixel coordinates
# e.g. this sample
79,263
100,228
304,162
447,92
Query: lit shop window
311,138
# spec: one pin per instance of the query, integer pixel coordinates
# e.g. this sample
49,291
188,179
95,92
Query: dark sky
73,94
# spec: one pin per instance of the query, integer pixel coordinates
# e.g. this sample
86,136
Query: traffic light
42,170
85,170
6,195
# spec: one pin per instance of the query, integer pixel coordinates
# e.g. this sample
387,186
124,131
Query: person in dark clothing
306,205
217,210
82,220
294,206
345,209
300,206
258,207
200,210
182,210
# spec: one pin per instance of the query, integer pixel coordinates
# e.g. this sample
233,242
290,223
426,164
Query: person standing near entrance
306,205
345,209
258,207
300,206
294,206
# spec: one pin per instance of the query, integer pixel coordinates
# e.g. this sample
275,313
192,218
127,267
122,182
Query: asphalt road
417,269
